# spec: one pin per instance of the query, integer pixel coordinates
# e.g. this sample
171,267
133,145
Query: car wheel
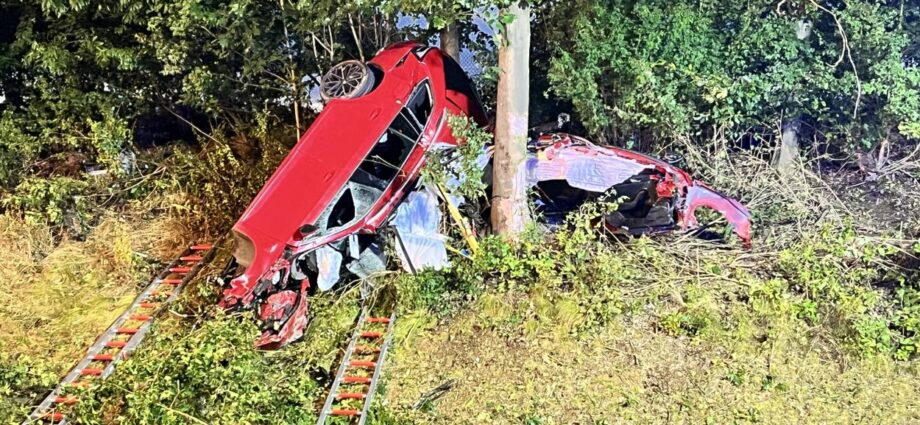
346,80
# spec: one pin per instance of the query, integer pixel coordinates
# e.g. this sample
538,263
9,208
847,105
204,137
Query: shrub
210,374
58,201
21,380
652,71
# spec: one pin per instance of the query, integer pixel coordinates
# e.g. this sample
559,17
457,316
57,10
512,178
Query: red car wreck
654,196
323,205
317,220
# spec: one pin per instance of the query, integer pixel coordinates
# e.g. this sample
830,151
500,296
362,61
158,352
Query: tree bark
786,157
509,194
450,41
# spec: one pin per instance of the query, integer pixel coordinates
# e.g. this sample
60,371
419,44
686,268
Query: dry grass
57,296
629,372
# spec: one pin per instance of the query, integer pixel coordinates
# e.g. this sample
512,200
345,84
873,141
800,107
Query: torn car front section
652,195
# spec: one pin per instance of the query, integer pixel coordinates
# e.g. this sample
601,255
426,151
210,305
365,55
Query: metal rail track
124,334
360,369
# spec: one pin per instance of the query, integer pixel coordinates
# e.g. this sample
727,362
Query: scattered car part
417,220
124,334
654,196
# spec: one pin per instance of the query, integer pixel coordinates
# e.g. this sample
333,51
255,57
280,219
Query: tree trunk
509,194
786,157
450,41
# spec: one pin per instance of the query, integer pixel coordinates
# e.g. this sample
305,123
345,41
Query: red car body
270,232
590,168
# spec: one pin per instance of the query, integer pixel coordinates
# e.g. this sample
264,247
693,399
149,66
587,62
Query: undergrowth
816,308
764,332
204,373
200,366
851,288
78,249
820,292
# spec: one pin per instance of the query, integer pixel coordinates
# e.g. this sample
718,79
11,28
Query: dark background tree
85,84
643,72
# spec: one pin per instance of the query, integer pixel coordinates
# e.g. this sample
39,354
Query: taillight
245,250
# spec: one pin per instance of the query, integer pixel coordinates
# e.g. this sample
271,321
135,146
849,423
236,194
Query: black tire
347,80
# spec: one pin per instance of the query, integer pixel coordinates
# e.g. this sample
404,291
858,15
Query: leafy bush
21,379
832,280
211,374
58,201
572,260
837,273
651,71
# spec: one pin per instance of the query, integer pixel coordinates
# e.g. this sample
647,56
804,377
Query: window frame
412,120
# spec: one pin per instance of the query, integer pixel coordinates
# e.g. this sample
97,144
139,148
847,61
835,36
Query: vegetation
647,71
128,128
56,297
581,328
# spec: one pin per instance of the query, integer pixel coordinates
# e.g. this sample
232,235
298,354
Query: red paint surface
329,152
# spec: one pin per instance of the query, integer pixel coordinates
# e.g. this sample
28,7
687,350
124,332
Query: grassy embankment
815,324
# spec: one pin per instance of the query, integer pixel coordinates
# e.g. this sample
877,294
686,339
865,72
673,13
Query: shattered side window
394,146
382,164
420,106
343,211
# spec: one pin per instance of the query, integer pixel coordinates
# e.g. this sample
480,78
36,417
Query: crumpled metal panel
736,214
292,329
278,305
584,168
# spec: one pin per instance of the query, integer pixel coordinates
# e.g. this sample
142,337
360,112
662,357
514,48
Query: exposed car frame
653,196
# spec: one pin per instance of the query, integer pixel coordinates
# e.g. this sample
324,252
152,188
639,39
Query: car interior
639,206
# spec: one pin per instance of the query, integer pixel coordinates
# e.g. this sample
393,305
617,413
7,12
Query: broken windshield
382,164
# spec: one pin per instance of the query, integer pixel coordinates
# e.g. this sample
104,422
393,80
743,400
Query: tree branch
844,52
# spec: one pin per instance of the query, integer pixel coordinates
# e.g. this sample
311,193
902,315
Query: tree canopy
635,69
89,81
